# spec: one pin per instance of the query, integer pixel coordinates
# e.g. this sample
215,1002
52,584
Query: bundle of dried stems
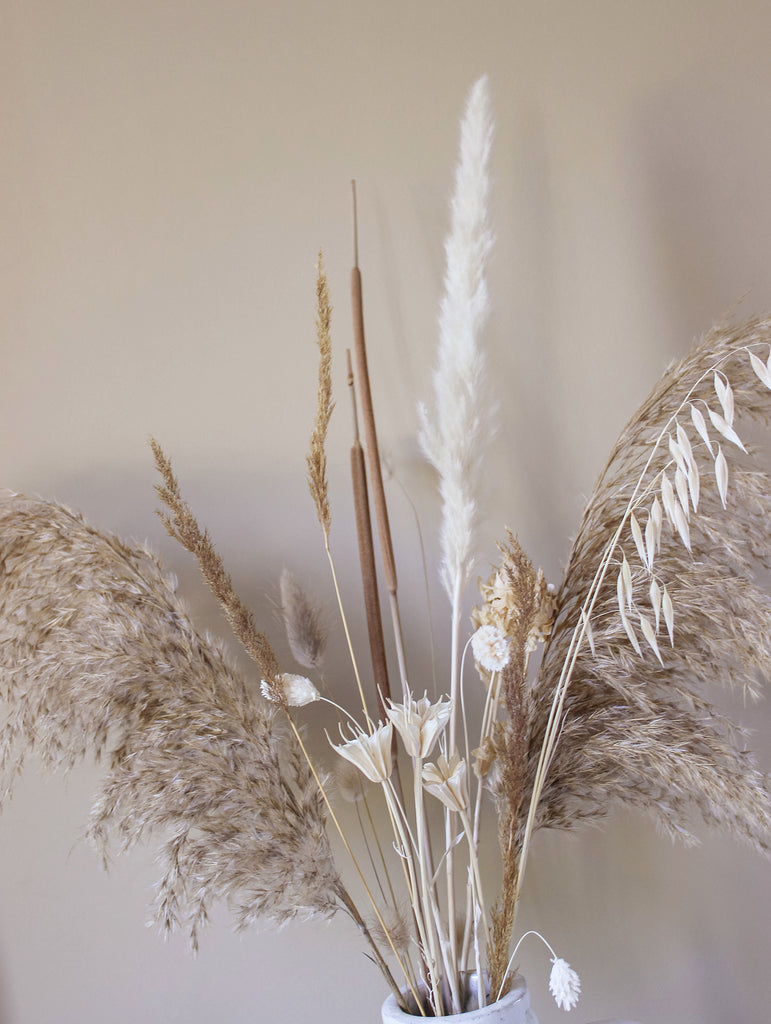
659,597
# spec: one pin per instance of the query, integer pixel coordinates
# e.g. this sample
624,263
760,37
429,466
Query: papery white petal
668,498
655,594
725,396
678,455
419,723
694,485
370,754
631,634
650,636
761,370
446,780
638,540
669,615
685,444
681,523
650,541
725,429
721,475
681,486
626,574
701,426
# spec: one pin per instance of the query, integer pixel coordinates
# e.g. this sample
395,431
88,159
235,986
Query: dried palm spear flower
659,599
100,655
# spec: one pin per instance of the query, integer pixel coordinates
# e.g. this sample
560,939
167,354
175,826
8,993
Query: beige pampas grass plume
100,656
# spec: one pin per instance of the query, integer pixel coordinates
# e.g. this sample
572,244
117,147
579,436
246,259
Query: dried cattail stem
373,454
370,433
367,558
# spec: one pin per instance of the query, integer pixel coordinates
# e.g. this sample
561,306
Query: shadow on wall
704,168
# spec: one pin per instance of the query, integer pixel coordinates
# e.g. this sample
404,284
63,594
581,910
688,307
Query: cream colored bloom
370,754
446,780
297,690
491,648
564,984
419,723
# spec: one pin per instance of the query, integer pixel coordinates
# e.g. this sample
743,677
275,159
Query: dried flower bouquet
659,596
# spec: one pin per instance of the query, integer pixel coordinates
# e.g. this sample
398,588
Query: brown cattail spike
368,416
367,557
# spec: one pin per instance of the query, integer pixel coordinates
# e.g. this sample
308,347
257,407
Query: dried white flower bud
297,690
564,984
491,648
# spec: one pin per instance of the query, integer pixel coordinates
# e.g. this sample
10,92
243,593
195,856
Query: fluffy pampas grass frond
452,436
681,519
100,656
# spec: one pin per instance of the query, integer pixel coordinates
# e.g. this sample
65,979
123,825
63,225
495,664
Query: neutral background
170,169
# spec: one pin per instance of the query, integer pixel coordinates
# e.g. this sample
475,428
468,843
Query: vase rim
516,994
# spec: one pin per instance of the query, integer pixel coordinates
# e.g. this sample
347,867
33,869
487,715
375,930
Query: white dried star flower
446,780
297,690
564,984
370,754
491,648
419,723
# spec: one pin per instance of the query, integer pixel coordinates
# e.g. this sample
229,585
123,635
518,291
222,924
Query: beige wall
169,171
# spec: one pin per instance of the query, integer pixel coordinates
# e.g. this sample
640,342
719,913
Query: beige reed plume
99,656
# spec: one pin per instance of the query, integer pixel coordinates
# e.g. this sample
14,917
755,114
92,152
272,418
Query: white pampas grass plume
452,436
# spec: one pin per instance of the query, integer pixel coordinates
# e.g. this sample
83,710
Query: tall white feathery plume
451,437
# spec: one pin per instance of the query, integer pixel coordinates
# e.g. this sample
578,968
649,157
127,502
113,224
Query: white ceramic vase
513,1008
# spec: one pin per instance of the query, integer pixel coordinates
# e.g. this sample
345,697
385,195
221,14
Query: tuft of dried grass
99,655
637,727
